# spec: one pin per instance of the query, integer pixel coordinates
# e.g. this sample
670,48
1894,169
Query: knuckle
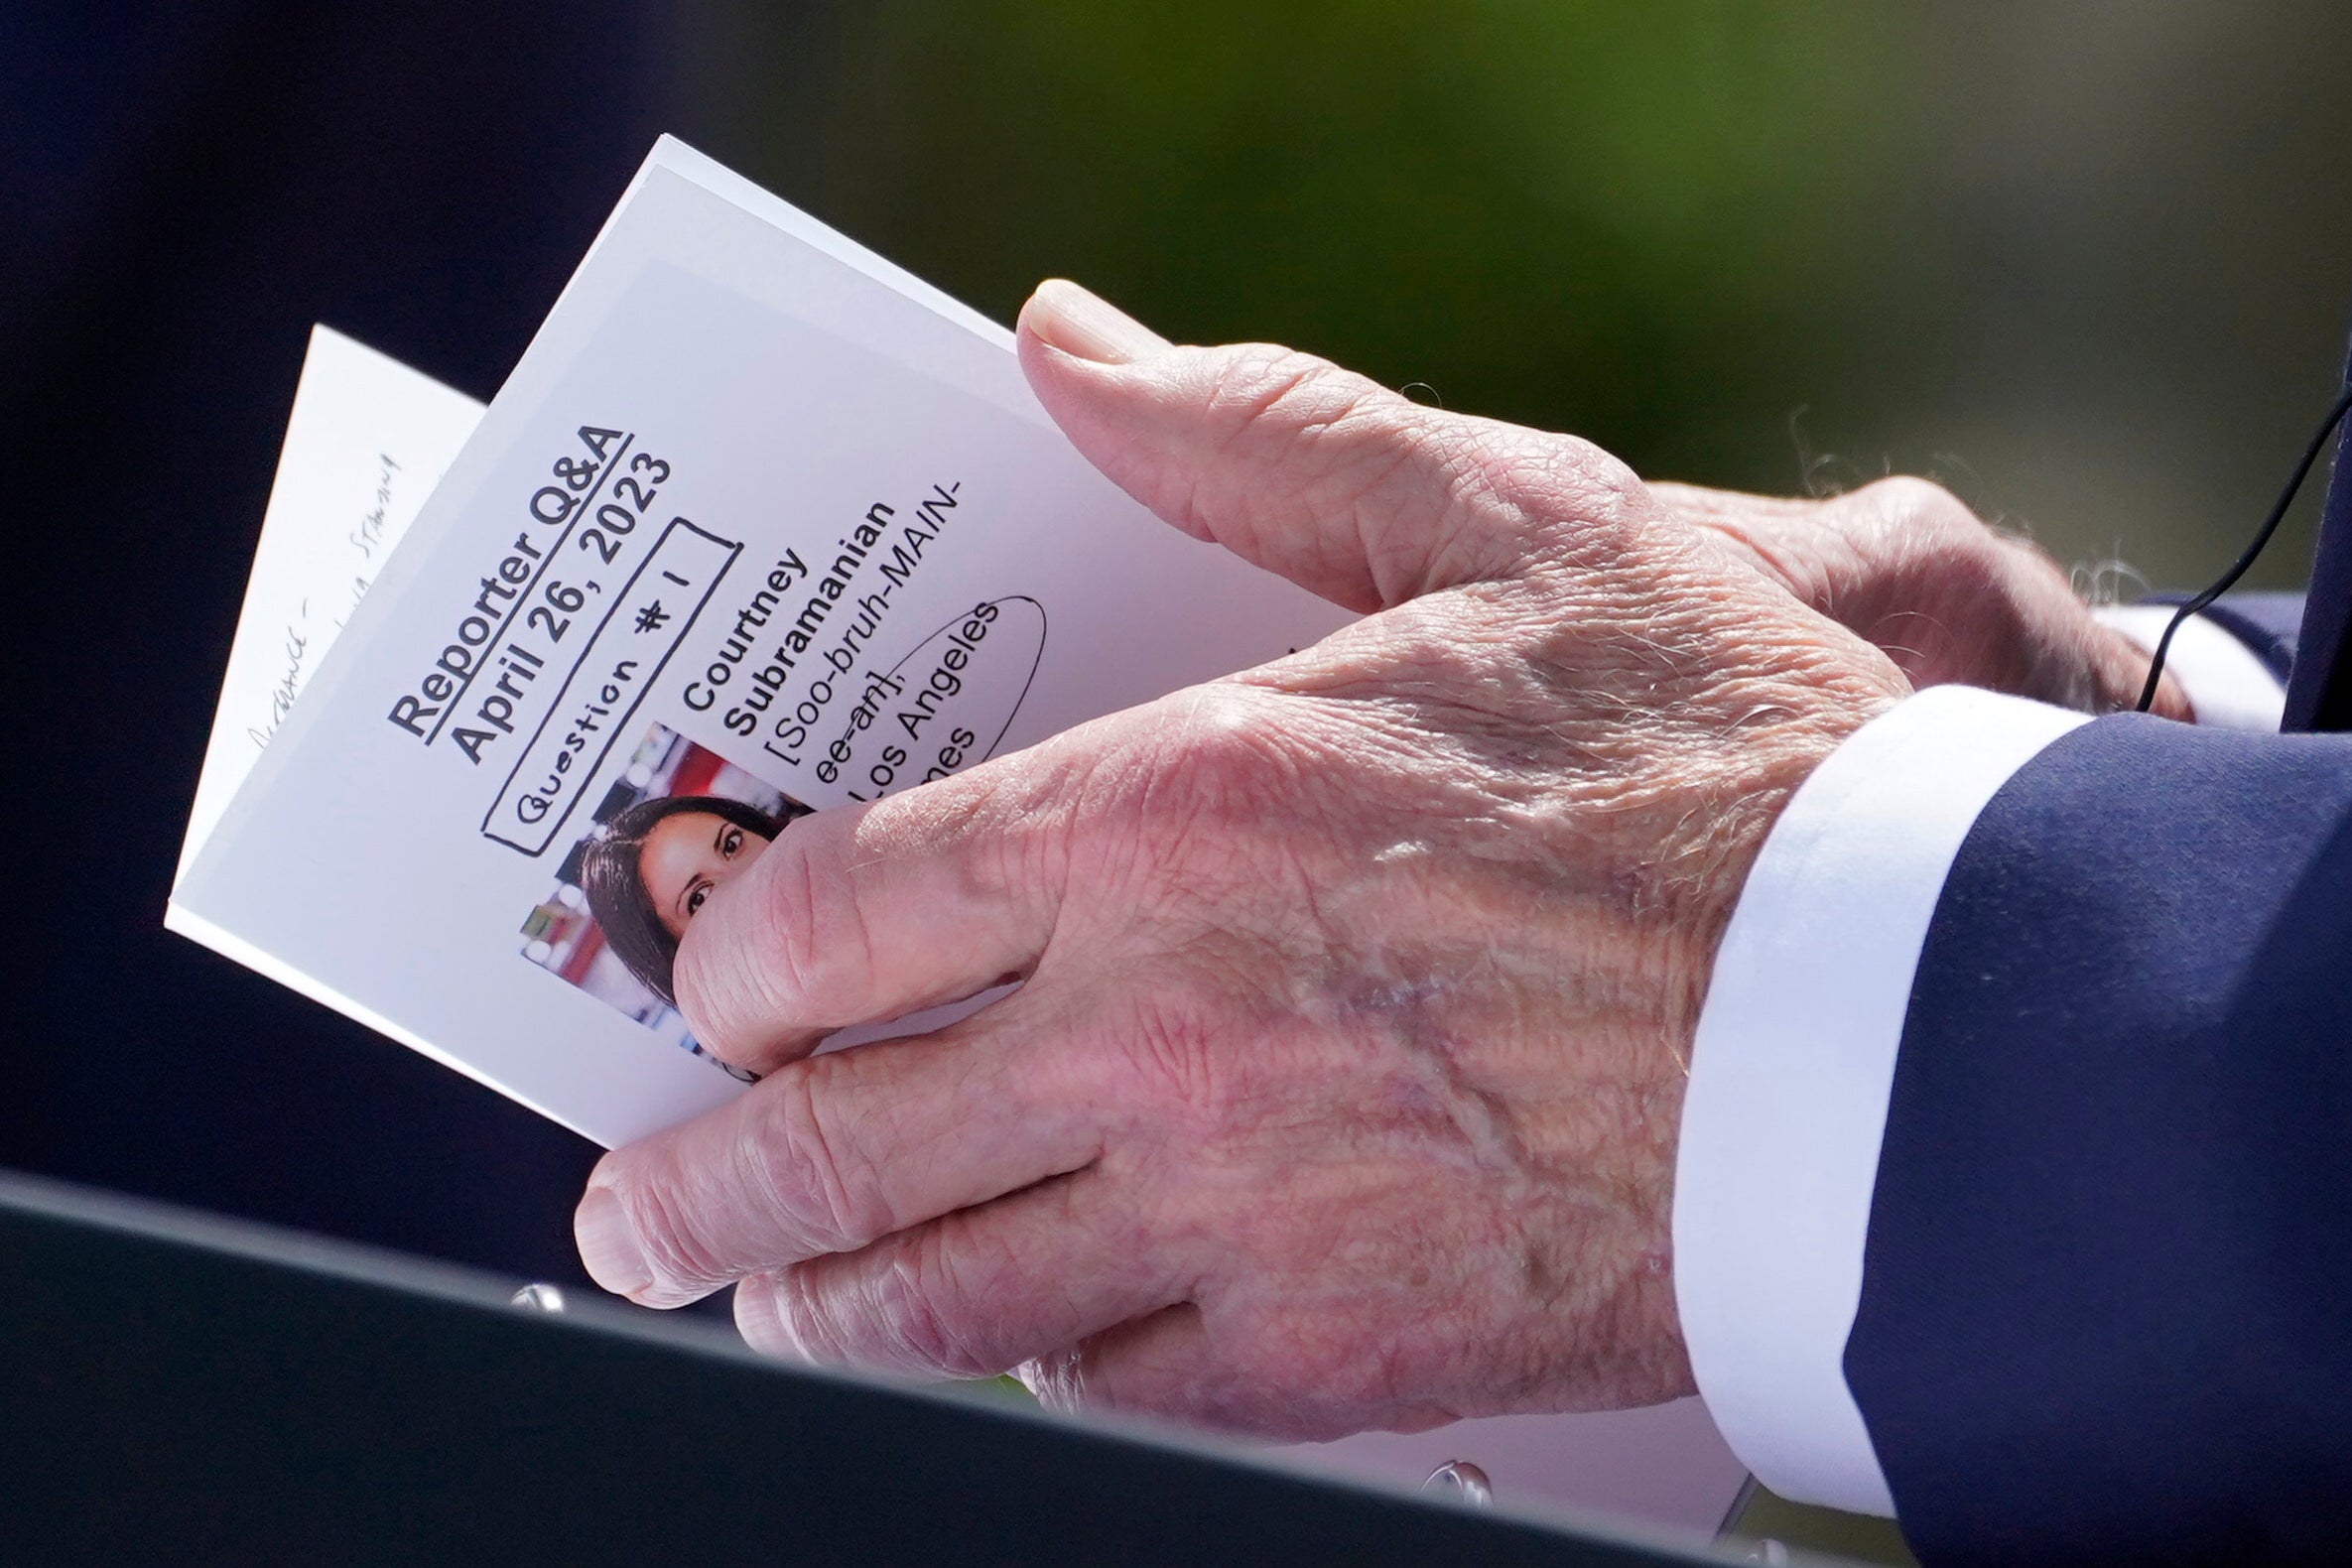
1234,746
2000,570
1336,437
886,1313
1492,492
1184,819
793,1317
1001,840
798,956
1433,650
1525,462
1910,493
1266,393
1168,787
813,935
1926,513
806,1168
914,1323
1520,495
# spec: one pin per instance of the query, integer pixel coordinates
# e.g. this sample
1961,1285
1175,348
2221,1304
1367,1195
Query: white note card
758,526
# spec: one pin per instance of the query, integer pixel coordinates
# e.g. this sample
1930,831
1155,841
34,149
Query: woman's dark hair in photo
615,889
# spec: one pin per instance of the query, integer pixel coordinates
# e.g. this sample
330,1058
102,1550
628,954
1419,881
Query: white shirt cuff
2224,681
1790,1072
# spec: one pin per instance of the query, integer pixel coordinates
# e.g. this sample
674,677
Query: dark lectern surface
180,1388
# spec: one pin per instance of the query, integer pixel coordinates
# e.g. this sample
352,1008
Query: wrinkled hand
1904,564
1344,1087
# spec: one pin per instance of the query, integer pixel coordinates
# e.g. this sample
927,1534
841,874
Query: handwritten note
340,502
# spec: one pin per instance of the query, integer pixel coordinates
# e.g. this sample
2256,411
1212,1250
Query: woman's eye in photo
694,901
732,843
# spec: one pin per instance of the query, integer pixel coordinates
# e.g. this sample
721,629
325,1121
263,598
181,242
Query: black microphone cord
2262,536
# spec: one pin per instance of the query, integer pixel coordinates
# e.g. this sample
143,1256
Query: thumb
1315,472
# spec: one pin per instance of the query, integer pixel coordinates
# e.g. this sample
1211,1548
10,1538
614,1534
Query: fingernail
609,1244
1086,325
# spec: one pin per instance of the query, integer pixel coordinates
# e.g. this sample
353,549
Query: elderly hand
1344,1087
1906,564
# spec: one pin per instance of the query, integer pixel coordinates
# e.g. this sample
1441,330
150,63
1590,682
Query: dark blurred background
2089,264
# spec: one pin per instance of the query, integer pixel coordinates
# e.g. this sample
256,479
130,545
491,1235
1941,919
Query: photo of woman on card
652,865
680,823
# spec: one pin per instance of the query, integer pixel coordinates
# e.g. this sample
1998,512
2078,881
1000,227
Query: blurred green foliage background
2089,264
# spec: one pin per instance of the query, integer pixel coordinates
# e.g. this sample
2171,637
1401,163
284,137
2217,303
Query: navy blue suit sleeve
2106,1303
2319,693
2268,623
